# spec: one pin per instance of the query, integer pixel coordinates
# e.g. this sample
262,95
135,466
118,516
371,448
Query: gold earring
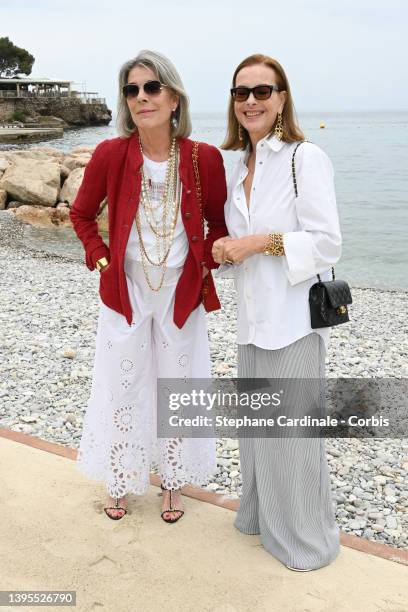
240,132
278,131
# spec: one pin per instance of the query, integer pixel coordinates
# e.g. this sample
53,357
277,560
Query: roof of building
37,80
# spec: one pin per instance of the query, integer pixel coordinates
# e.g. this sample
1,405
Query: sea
369,152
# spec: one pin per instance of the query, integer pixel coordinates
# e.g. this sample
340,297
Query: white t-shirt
156,172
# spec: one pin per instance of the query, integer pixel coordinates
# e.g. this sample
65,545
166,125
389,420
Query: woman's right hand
218,249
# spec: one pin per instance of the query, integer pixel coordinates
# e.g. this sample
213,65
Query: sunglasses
261,92
151,88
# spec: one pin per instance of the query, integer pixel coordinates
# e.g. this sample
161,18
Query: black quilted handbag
328,300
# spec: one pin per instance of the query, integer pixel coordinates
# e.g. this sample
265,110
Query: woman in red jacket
155,283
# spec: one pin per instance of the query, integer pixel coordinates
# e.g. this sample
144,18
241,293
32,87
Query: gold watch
101,264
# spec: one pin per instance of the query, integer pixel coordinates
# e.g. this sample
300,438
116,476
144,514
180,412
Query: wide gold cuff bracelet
274,245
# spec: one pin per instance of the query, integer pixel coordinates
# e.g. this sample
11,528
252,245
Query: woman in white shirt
277,244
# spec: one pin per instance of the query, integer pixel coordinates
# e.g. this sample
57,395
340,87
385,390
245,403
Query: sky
346,55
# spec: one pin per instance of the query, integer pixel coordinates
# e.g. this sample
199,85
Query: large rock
76,160
12,204
3,199
82,149
71,185
38,153
65,172
41,216
4,164
50,121
32,181
72,110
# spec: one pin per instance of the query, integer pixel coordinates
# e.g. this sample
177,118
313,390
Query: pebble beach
48,311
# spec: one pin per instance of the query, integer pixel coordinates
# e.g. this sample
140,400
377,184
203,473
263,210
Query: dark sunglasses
261,92
151,88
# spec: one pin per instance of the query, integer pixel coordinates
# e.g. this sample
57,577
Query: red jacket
114,171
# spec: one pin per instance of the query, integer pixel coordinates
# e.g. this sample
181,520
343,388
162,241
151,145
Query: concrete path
54,535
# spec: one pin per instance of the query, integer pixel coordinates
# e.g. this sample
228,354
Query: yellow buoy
322,125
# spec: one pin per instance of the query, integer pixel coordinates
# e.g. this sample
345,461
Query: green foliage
17,116
14,60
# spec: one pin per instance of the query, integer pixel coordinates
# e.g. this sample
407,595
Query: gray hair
167,74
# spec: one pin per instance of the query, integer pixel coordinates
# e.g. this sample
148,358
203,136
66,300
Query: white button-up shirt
273,292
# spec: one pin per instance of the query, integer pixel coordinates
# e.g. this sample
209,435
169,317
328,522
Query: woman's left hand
239,249
218,249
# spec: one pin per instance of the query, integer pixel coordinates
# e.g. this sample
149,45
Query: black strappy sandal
115,507
170,509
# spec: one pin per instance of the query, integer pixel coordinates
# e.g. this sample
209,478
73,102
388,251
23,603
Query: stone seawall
73,111
7,108
24,135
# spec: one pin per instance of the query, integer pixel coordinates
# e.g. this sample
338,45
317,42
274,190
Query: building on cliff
30,100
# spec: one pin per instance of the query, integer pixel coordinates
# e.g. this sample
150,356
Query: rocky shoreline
64,111
38,185
48,333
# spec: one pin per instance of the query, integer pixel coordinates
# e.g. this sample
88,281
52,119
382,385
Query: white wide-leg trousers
119,444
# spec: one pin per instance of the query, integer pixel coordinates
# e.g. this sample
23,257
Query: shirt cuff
299,261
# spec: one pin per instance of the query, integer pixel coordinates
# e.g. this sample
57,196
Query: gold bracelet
101,264
274,245
268,246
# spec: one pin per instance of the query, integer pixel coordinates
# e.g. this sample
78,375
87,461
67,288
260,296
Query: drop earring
174,121
240,132
278,131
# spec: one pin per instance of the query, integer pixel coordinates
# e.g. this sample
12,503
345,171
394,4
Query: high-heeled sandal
115,507
170,509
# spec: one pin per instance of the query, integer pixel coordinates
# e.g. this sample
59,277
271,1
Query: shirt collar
272,142
269,141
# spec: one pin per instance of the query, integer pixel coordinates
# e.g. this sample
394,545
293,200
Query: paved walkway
54,535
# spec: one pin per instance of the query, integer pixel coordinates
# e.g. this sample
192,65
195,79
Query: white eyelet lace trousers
119,444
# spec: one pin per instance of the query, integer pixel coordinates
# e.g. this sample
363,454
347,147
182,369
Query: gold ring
228,261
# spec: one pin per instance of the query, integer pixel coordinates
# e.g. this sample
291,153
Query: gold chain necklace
170,204
166,208
164,200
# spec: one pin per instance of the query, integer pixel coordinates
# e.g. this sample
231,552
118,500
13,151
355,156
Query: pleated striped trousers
286,493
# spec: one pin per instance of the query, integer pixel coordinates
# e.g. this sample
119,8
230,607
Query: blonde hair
291,130
167,74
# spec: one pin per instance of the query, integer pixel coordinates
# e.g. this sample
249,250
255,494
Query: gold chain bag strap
198,183
328,300
194,154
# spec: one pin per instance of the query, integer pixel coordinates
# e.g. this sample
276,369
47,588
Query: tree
14,60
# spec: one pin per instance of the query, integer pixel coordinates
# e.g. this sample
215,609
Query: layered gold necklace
161,217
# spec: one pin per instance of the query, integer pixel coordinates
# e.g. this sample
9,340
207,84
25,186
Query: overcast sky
346,55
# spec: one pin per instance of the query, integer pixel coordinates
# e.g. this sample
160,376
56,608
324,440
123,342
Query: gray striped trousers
286,493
